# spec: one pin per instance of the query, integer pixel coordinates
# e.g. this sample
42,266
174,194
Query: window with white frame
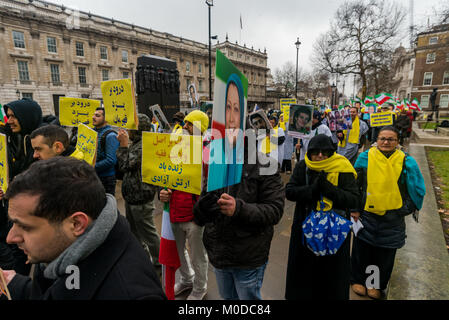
19,39
187,66
428,78
103,53
433,40
200,68
24,75
51,45
446,77
27,95
425,101
125,75
444,101
105,74
200,85
55,77
431,58
125,56
79,49
447,57
82,75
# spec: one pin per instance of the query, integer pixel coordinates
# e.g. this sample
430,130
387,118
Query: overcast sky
271,24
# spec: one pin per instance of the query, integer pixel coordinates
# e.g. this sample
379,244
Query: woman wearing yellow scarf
324,174
392,187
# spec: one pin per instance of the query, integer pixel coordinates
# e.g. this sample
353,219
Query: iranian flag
4,118
168,255
369,100
415,105
382,98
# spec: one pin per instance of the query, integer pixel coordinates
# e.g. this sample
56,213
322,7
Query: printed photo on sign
119,102
300,123
229,119
259,121
73,111
343,119
157,113
193,96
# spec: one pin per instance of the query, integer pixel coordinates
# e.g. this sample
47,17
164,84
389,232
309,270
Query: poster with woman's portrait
228,125
193,96
300,123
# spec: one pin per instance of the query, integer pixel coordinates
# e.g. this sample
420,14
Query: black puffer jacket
244,240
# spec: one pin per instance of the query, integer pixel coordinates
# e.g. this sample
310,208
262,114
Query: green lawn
440,159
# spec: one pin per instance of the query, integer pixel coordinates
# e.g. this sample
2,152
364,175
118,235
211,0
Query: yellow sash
354,134
383,192
267,146
333,166
177,129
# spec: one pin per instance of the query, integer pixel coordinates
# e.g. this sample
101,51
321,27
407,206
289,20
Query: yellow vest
333,166
383,192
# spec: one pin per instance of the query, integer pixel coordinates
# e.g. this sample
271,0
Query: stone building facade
49,51
432,67
404,68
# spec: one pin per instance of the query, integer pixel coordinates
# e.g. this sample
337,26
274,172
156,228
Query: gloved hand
327,189
208,203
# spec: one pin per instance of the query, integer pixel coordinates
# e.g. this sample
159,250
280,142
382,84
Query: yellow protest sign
86,145
4,170
381,119
119,102
285,108
172,161
73,111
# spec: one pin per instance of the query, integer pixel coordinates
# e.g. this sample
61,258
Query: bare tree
361,35
285,78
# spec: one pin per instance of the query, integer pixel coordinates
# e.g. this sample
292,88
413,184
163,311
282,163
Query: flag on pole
3,116
369,100
415,105
168,255
382,98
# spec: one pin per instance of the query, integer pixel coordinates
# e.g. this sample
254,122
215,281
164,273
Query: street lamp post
333,95
210,3
297,44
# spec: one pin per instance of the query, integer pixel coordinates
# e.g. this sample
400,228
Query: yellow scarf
383,192
267,146
333,166
354,134
177,129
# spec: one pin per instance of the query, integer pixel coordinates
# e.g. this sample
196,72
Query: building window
187,66
85,96
446,77
125,75
82,75
231,53
188,82
105,74
51,45
27,95
433,40
80,49
425,101
200,68
125,56
24,75
200,85
431,57
428,78
55,77
444,101
447,57
103,53
19,39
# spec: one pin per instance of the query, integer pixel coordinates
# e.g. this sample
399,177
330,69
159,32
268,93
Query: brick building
49,51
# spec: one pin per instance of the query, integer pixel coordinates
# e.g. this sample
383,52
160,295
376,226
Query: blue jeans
240,284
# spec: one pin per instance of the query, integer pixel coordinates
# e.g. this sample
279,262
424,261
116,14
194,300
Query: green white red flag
382,98
415,105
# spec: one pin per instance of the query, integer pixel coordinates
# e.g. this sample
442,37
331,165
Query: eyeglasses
326,153
389,140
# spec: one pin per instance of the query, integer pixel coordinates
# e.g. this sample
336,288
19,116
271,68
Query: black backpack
118,174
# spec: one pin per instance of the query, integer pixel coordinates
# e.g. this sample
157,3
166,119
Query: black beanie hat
321,142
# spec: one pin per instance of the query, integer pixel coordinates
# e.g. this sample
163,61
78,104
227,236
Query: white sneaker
181,287
194,295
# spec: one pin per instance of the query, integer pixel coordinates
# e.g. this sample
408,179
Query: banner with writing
172,161
119,102
381,119
285,108
87,144
73,111
4,171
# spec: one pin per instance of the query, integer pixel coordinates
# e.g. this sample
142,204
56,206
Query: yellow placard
381,119
119,102
285,108
87,144
172,161
73,111
4,170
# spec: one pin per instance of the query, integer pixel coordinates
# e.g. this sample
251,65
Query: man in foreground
70,229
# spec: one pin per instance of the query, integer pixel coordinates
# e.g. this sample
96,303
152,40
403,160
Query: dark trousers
286,165
365,255
109,184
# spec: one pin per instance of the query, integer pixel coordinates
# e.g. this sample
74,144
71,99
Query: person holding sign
185,229
73,234
138,195
106,158
392,187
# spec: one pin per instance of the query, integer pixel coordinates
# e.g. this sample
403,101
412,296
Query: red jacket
181,206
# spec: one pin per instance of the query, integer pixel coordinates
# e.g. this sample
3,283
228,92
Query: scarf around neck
87,243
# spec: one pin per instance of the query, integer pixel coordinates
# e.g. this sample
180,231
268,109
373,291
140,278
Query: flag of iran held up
415,105
368,100
382,98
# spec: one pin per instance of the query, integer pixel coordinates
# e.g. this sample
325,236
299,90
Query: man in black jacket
71,230
239,229
49,142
